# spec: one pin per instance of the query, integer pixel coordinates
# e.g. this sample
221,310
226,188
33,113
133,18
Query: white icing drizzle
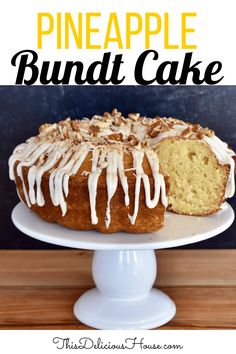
225,157
92,185
123,178
28,161
112,181
159,184
21,152
35,175
83,152
59,197
62,163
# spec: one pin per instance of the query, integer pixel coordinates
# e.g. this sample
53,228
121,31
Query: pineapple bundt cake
111,173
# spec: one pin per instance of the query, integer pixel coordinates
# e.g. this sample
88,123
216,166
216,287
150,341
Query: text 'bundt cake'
111,173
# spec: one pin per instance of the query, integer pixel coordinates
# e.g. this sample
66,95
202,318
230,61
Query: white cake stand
124,266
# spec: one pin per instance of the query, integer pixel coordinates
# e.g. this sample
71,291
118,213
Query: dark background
23,109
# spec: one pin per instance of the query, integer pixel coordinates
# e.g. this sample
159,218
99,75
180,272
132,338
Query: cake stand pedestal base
124,265
124,297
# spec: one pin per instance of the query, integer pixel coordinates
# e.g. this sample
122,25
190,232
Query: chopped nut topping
107,115
157,127
187,133
134,116
94,129
133,140
196,128
115,113
145,144
75,125
119,121
208,132
113,128
65,132
115,137
47,127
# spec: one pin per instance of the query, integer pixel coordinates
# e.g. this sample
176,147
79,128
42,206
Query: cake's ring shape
124,266
114,174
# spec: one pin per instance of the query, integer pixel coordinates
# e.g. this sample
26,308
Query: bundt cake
111,173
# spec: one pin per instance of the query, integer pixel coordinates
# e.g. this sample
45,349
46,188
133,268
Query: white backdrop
215,31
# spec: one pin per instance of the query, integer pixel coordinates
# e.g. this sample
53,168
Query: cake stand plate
124,266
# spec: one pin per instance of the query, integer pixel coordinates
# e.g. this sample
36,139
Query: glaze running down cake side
111,173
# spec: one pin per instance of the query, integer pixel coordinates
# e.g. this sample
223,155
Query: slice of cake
199,167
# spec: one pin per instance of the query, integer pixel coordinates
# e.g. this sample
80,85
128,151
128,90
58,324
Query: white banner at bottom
72,341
